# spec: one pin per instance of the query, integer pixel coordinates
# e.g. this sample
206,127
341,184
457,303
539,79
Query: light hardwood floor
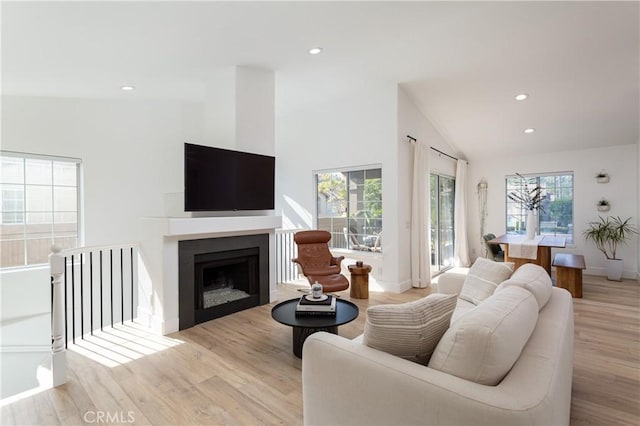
240,369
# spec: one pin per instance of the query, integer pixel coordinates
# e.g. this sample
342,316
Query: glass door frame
442,245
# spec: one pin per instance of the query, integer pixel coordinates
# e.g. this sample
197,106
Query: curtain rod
435,149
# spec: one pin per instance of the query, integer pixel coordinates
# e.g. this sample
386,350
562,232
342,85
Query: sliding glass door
442,204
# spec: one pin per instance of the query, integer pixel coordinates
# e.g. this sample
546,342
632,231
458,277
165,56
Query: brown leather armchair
316,261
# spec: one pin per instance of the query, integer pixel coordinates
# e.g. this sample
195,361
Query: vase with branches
529,196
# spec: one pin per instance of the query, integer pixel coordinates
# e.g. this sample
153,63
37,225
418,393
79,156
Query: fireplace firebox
220,276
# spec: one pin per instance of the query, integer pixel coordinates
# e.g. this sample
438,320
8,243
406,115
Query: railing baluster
285,256
121,286
294,253
289,238
278,258
66,311
131,284
73,300
81,296
101,291
111,282
91,289
286,253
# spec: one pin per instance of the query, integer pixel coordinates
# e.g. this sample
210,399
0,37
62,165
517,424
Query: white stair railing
91,288
286,249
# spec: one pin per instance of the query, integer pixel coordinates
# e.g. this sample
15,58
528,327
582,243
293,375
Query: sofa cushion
483,278
409,330
533,278
483,344
462,307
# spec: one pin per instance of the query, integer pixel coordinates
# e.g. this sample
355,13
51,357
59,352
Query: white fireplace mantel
158,276
176,227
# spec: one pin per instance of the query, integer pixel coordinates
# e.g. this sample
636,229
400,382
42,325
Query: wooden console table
543,257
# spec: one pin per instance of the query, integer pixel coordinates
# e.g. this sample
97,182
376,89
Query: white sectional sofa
346,382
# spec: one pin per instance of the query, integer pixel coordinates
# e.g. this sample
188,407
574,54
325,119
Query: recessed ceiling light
521,97
529,130
127,88
315,50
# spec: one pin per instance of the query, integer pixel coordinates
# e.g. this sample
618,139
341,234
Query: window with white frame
39,196
555,216
349,206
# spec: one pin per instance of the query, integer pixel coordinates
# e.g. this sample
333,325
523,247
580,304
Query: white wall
255,110
239,109
359,130
132,153
621,162
24,293
369,127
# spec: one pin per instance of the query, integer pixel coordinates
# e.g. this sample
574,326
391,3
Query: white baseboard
602,272
155,324
391,287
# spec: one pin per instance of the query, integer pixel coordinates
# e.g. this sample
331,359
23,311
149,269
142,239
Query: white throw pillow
533,278
483,344
483,278
409,330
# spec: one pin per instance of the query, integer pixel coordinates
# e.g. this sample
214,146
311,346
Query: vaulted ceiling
461,62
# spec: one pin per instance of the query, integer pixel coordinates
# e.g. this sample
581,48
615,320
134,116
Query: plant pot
604,208
603,179
531,225
614,269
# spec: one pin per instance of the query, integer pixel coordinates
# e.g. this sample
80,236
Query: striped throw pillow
410,330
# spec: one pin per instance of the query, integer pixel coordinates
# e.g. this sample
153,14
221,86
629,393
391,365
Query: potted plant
606,234
603,205
602,177
530,199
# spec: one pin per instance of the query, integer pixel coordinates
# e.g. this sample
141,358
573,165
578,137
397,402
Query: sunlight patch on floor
120,344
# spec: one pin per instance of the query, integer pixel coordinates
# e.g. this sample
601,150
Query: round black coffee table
304,326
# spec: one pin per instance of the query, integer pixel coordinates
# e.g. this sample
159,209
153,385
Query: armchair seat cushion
335,282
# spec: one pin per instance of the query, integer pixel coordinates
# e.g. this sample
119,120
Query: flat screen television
217,179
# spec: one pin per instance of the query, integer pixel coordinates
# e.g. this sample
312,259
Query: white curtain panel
461,242
420,208
482,202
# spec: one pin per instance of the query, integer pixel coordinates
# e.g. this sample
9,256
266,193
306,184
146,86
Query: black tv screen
217,179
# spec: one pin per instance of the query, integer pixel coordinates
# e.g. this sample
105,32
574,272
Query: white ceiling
461,62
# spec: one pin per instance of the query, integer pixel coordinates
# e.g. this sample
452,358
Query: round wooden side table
359,280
